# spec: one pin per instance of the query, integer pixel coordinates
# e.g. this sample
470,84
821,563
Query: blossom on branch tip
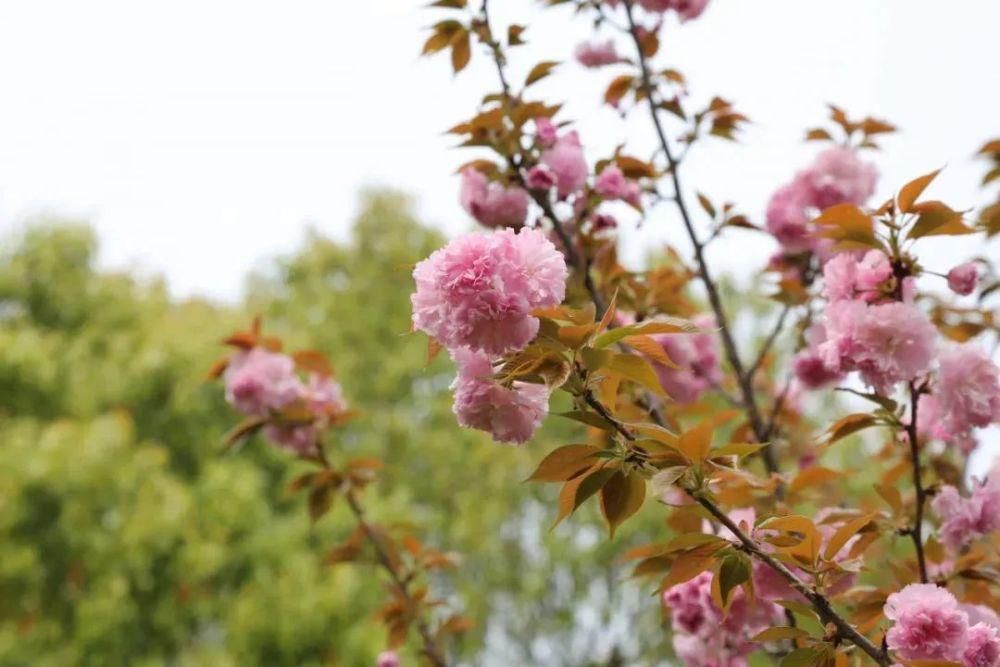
927,623
479,290
565,159
597,54
259,381
963,278
492,204
509,414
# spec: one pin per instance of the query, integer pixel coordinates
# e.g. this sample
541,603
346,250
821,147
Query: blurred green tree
131,538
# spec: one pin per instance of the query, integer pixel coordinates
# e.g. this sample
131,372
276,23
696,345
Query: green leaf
803,657
735,570
621,497
779,633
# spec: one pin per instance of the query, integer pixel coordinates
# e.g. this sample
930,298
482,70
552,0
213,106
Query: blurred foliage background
129,537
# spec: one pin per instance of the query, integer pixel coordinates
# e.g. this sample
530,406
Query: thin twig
769,341
819,602
916,531
729,344
431,649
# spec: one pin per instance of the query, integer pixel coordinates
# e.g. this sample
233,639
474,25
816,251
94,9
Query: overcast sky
201,137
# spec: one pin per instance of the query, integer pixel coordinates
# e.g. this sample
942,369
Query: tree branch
916,531
744,379
431,649
824,608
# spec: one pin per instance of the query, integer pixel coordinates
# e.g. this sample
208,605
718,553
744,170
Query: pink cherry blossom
259,381
845,276
980,613
838,176
928,624
873,271
811,372
965,519
540,177
982,648
787,216
895,343
492,204
510,414
611,183
387,659
565,159
296,438
597,54
323,395
703,634
479,290
689,9
545,132
963,278
697,358
967,393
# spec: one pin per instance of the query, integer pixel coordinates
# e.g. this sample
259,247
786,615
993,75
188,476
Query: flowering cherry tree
766,548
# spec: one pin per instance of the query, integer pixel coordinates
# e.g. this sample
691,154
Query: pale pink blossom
611,183
259,381
965,519
479,290
967,394
982,648
387,659
706,636
545,132
565,159
492,204
894,343
686,9
980,613
597,54
540,177
697,359
787,217
296,438
838,176
928,624
811,372
845,276
835,337
963,278
509,414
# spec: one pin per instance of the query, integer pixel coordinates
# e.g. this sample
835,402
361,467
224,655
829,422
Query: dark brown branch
430,647
916,531
819,602
743,378
580,262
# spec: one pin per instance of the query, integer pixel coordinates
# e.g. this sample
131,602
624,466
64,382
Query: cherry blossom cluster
475,296
836,176
264,384
706,636
930,624
964,519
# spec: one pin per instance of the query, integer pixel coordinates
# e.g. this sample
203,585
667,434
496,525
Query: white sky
202,136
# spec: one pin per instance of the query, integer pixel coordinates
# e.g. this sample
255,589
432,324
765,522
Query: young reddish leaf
564,463
621,497
779,633
540,71
244,429
648,347
935,218
845,533
696,443
813,476
909,193
706,204
635,368
460,51
618,88
849,425
313,361
689,564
